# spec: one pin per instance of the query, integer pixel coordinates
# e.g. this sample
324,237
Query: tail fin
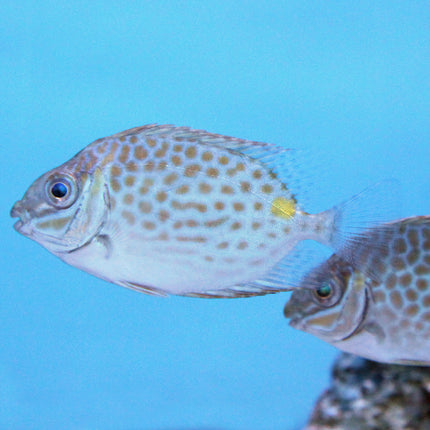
353,219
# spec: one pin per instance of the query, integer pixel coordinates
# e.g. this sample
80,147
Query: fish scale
198,175
172,210
391,322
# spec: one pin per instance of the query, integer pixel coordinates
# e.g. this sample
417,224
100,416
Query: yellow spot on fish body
284,208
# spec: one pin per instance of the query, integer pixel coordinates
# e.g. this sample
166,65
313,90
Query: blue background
349,81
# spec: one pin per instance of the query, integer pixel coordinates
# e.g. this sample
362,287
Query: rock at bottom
366,395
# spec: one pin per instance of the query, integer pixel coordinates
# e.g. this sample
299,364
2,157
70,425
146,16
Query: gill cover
343,320
91,214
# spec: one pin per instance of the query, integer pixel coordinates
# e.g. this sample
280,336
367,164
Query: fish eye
327,293
61,191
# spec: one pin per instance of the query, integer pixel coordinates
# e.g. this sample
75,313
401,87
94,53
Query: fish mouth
18,226
18,211
23,225
295,318
297,323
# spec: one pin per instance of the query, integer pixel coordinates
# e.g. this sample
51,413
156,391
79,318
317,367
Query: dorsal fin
281,162
252,149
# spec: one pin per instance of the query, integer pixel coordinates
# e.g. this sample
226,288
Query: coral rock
366,395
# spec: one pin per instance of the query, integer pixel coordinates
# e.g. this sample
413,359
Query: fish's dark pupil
324,291
59,190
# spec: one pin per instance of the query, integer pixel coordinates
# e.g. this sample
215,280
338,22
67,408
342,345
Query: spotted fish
171,210
384,317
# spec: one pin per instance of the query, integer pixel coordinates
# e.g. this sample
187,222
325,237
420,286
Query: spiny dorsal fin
252,149
282,162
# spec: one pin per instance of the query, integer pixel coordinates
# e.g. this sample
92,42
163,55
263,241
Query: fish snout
16,210
292,312
289,310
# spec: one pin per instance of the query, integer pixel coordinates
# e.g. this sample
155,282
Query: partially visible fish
171,210
384,317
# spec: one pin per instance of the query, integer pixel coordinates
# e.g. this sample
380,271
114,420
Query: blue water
349,81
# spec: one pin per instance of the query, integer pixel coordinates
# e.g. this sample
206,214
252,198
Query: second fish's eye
325,291
328,293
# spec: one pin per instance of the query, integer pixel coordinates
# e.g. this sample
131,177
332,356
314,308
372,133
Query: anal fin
152,291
